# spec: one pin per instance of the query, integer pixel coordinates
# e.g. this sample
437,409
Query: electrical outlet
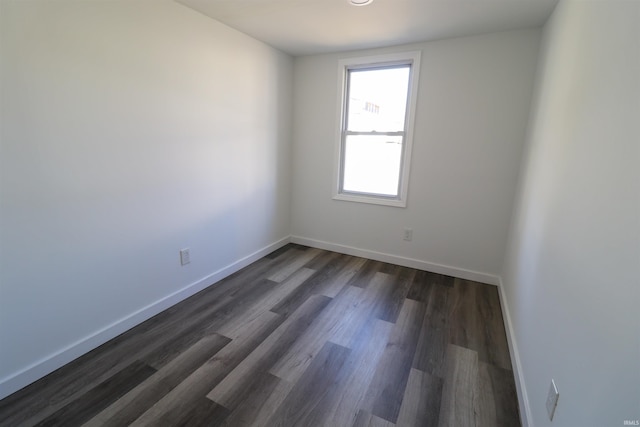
185,256
552,399
408,235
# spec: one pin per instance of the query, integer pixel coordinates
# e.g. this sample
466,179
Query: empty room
320,213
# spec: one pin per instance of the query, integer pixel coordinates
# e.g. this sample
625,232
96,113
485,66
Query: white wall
572,271
129,130
473,104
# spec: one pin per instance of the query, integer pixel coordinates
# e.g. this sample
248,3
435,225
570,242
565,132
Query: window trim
377,61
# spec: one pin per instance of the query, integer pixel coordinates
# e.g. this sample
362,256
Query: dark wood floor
302,337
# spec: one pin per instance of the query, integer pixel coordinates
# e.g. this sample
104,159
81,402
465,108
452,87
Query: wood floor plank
63,386
231,390
373,301
364,275
169,409
289,246
434,333
339,323
494,348
333,286
447,281
464,315
366,419
296,360
173,348
348,396
74,386
133,404
497,407
476,322
335,340
322,260
486,410
82,409
307,393
325,271
421,401
288,269
460,398
338,405
235,325
390,305
386,390
420,289
49,394
229,319
201,413
77,378
257,407
390,269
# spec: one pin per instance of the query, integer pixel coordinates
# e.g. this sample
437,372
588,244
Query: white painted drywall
129,130
472,110
572,270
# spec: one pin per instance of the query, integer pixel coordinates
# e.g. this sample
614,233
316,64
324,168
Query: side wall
129,130
473,103
572,270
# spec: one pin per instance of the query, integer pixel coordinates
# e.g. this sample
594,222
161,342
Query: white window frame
403,58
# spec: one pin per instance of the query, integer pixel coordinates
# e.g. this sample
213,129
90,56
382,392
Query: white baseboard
398,260
50,363
523,400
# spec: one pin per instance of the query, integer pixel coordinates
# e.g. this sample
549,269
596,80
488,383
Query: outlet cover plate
185,256
408,234
552,399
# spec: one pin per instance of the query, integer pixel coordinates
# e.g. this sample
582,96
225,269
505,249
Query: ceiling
304,27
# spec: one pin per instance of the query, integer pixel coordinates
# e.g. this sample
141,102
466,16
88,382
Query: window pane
372,164
378,99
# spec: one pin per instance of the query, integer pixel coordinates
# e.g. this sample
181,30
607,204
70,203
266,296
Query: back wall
472,110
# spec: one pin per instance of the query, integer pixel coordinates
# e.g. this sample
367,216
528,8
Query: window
378,96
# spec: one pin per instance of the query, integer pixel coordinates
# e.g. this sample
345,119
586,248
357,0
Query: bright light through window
377,103
372,164
374,148
377,99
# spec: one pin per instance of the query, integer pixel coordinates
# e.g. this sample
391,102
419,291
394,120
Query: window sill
370,200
